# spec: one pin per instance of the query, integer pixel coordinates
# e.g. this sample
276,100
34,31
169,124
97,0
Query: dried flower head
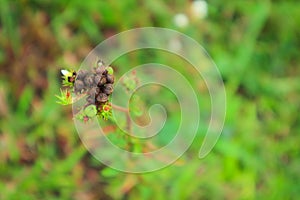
96,85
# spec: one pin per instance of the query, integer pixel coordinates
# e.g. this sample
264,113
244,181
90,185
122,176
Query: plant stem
128,123
120,108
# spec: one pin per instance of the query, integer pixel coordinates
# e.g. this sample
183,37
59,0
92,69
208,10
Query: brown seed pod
105,72
94,91
108,89
97,79
81,74
100,70
110,78
97,90
102,81
102,98
78,86
89,80
90,100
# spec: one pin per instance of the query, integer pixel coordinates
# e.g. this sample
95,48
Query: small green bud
90,111
110,70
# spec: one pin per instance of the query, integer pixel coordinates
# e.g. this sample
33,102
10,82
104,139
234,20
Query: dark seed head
81,74
110,78
100,67
94,91
90,100
97,79
105,72
98,70
102,81
102,98
78,86
97,90
88,80
108,89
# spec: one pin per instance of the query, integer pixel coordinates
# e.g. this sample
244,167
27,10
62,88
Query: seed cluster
98,84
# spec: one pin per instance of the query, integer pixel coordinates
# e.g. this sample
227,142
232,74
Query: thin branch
120,108
125,110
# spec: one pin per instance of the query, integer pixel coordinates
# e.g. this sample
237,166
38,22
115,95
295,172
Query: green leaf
109,172
25,100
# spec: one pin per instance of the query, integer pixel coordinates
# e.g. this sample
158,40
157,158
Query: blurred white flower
199,9
181,20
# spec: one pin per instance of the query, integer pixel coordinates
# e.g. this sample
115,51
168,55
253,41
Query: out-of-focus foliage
255,45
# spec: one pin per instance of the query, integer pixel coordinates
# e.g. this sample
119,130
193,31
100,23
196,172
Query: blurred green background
256,48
